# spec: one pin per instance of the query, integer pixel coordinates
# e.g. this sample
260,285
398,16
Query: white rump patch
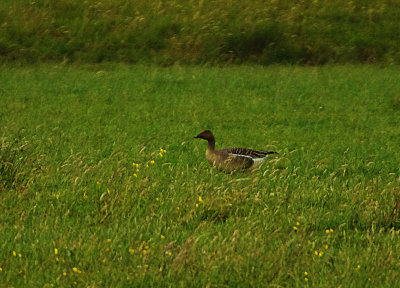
258,161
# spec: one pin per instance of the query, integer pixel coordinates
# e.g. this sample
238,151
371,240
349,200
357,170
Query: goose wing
253,154
238,161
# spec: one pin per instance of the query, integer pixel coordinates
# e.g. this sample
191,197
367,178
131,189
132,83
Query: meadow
103,185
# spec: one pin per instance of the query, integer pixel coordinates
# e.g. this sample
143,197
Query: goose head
206,135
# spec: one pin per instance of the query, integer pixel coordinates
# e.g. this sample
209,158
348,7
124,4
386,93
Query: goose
231,159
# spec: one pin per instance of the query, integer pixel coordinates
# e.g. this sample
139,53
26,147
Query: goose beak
199,136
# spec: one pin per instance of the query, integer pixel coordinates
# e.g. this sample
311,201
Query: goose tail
264,156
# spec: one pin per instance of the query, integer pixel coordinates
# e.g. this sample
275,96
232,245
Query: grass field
76,212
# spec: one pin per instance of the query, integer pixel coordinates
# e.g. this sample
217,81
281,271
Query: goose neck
211,144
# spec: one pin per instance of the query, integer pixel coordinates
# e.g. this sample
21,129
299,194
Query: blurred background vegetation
197,31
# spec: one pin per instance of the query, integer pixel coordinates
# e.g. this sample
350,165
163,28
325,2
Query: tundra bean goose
231,159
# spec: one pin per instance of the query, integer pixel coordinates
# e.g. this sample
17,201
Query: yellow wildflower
137,165
108,191
316,252
305,273
98,182
65,273
320,254
146,266
19,255
76,270
144,252
108,240
357,268
200,200
135,175
327,231
157,199
152,162
162,236
306,279
137,170
169,253
1,269
295,228
55,251
298,223
197,205
331,230
161,155
14,253
326,246
131,250
133,164
146,247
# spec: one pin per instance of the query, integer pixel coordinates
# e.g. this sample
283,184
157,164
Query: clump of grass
13,163
396,103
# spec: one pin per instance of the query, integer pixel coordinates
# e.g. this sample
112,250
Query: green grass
212,31
71,133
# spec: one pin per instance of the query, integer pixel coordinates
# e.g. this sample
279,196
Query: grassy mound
167,32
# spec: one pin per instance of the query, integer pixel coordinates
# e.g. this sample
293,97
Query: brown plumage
231,159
